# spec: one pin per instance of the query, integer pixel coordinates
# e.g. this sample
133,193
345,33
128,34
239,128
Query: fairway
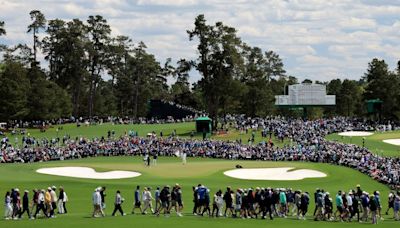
170,171
374,142
97,131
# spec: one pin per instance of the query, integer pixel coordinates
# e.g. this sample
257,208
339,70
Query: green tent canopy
203,124
374,105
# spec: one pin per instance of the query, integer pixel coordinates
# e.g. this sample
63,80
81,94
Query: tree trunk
34,45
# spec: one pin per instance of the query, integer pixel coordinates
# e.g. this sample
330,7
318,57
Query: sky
317,39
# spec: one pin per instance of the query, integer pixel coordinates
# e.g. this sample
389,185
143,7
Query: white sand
356,133
395,142
88,173
273,174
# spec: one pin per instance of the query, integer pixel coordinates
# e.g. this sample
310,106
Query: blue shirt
137,196
201,192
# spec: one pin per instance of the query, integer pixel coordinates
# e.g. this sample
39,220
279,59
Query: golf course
169,171
373,142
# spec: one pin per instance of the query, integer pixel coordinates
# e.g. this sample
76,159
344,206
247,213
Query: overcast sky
316,39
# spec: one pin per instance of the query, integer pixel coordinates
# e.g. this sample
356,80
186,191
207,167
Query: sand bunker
356,133
88,173
274,174
395,142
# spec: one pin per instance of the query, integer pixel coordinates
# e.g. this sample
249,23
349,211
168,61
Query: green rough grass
182,130
170,171
373,142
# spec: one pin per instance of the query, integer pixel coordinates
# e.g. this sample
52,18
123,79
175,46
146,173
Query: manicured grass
170,171
182,130
373,142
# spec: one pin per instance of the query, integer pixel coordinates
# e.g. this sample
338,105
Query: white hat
53,187
17,190
48,188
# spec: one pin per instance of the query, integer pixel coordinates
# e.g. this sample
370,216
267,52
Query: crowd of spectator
307,144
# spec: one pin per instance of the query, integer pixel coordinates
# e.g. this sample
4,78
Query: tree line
89,72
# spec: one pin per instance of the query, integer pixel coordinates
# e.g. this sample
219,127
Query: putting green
170,171
374,142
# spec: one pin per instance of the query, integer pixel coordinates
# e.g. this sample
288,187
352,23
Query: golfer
165,197
96,199
7,206
25,205
54,200
157,200
137,203
147,198
117,204
41,204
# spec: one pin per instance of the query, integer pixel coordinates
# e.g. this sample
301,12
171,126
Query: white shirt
349,200
147,196
41,197
96,198
53,196
65,197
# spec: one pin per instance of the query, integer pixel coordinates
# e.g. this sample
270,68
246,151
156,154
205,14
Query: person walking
41,204
320,207
103,195
268,203
16,203
373,207
137,203
328,207
62,199
206,203
195,200
147,199
165,197
356,206
25,205
391,198
179,200
304,202
96,200
157,200
228,201
365,206
7,206
238,202
396,206
47,201
297,202
339,206
118,204
34,200
282,202
378,204
54,200
315,201
218,202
